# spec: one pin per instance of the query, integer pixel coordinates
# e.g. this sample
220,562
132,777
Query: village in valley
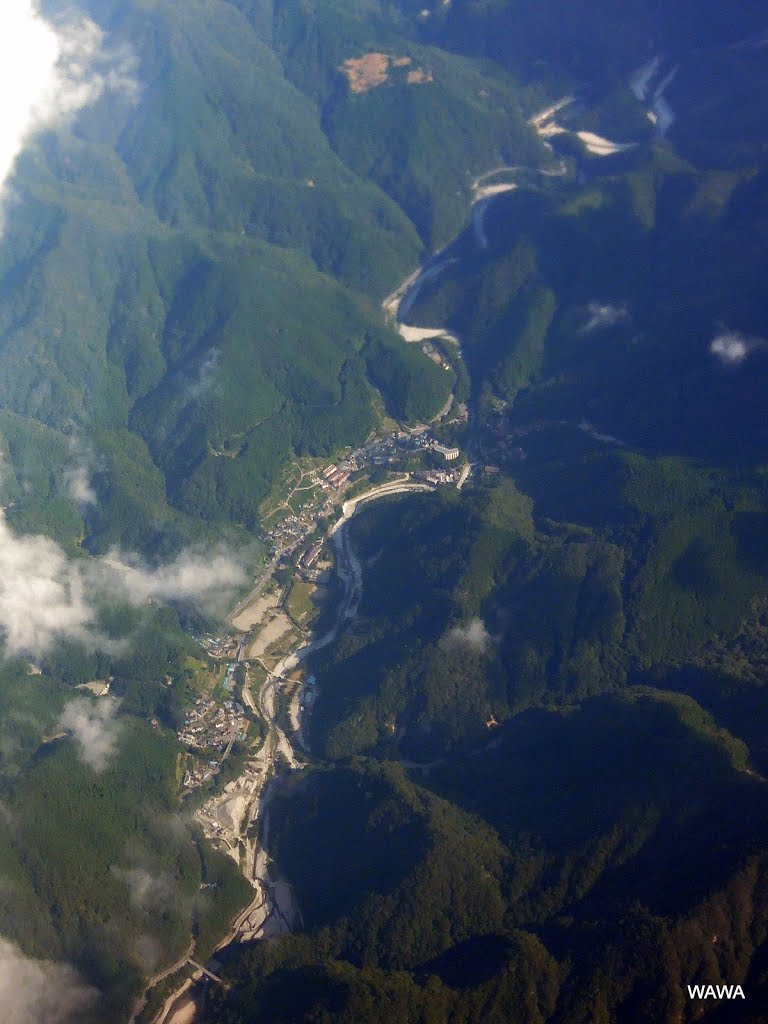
250,722
212,727
250,716
288,596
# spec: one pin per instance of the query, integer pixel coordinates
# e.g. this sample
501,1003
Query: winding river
272,911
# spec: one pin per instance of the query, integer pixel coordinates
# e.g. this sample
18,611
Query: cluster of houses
382,451
199,772
292,530
210,726
219,646
426,442
439,476
334,478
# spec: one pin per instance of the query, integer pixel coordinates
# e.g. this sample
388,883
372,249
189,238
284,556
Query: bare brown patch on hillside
418,77
365,73
374,69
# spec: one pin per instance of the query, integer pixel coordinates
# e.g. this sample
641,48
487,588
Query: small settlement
279,611
212,727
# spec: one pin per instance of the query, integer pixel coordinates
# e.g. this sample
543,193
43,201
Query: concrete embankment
349,507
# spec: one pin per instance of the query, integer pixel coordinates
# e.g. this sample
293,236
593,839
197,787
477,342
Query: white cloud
39,990
50,71
77,479
45,596
92,723
473,635
601,315
205,377
79,487
205,578
42,593
732,347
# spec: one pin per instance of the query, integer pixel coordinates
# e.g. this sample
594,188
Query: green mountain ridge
538,762
570,650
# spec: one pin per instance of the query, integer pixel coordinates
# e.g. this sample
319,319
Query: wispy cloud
205,578
205,377
147,951
147,889
46,596
733,347
602,315
50,70
473,635
154,896
78,478
79,487
93,724
39,990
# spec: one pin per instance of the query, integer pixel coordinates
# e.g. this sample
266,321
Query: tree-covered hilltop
565,874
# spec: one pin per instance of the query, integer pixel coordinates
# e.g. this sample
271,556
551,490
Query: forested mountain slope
538,754
191,272
149,274
542,793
